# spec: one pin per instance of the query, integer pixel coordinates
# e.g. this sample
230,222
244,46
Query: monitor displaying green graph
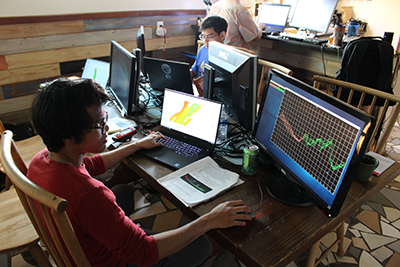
315,141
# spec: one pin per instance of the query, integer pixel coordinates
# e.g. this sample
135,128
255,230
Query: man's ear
223,35
69,141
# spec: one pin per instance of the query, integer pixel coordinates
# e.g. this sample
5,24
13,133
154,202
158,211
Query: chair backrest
327,84
46,211
265,67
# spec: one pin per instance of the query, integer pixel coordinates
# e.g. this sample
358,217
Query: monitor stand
287,192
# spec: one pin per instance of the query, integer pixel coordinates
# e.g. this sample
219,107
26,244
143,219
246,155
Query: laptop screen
191,115
96,70
274,16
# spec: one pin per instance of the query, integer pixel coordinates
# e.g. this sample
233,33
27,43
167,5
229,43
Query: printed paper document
199,181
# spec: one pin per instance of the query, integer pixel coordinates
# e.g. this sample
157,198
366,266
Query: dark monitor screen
122,80
273,16
314,139
313,15
235,82
141,45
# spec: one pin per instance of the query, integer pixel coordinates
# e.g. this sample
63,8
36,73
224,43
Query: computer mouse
253,214
275,33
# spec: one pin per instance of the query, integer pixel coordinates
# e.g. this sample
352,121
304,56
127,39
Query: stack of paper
199,181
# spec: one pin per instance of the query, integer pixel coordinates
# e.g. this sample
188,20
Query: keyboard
180,148
303,38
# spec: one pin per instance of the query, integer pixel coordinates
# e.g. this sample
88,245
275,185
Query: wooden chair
55,231
27,149
379,147
266,66
389,122
16,231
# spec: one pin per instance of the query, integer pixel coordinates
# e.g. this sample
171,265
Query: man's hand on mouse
227,214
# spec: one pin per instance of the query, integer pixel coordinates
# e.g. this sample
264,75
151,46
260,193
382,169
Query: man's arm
112,158
261,27
223,216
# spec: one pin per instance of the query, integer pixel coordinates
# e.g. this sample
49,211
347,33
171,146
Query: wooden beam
29,73
16,104
40,29
22,60
22,45
102,15
3,63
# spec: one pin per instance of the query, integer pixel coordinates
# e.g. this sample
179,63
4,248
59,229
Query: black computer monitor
123,79
315,140
313,15
141,45
235,82
273,16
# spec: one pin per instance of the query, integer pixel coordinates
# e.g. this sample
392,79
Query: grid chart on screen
315,139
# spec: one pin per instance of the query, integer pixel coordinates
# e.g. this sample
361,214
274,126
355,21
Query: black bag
367,61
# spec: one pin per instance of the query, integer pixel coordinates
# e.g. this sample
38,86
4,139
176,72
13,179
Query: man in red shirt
70,117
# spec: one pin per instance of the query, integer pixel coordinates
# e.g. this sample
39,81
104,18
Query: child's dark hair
214,21
59,110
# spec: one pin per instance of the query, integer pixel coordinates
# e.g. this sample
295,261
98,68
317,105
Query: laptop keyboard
180,148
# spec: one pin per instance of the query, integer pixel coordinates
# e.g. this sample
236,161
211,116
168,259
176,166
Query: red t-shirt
107,236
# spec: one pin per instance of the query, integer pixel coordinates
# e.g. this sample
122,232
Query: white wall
381,15
14,8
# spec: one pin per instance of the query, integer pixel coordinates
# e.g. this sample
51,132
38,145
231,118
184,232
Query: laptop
97,70
188,119
274,17
168,74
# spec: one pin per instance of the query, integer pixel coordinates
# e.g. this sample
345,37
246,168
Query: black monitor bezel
354,162
140,43
125,108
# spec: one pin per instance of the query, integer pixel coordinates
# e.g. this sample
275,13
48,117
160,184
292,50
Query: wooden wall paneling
3,62
133,22
29,73
15,104
17,116
172,42
102,15
40,29
22,60
1,93
180,30
22,45
21,89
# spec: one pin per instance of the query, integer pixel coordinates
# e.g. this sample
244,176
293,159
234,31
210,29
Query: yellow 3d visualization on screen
183,116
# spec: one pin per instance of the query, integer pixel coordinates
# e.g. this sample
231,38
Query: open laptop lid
191,115
168,74
274,16
97,70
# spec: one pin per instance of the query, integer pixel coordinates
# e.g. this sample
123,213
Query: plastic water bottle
223,125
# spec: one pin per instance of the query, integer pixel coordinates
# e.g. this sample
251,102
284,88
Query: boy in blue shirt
213,28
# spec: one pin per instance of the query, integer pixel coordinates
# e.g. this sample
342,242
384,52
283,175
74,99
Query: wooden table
279,233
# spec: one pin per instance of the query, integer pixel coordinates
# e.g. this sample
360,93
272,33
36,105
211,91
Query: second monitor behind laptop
168,74
274,16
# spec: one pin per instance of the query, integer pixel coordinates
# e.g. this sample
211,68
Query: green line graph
317,141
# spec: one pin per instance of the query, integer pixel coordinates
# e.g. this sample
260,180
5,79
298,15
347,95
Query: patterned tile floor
372,236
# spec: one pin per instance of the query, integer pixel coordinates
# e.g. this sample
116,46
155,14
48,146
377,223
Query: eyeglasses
207,37
101,125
